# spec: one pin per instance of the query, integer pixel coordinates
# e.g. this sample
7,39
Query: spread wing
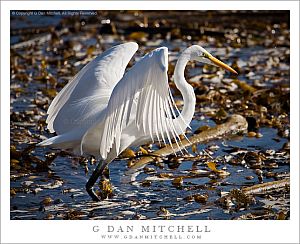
142,97
88,93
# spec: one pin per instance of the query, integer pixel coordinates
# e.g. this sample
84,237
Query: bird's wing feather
143,97
87,94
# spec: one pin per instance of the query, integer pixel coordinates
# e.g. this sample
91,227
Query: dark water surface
50,184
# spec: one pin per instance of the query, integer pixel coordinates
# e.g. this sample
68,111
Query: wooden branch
266,187
235,124
244,195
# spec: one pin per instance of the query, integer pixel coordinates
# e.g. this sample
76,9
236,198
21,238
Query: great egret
101,111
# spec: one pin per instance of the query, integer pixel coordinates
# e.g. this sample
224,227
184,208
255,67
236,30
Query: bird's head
199,54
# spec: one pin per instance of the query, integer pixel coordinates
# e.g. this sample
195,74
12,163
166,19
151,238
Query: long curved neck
187,91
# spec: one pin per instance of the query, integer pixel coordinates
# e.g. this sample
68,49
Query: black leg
92,180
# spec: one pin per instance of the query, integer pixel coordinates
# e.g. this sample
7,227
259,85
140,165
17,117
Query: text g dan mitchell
152,228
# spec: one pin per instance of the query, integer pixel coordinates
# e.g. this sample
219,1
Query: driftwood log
235,124
266,187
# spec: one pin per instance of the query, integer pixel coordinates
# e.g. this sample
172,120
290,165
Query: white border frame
225,231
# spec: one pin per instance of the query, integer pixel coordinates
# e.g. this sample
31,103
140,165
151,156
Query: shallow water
57,190
65,185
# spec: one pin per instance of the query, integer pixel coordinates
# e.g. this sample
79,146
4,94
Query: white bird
103,111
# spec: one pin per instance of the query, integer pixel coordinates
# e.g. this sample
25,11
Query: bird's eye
204,55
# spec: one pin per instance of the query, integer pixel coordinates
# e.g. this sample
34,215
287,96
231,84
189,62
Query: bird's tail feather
64,141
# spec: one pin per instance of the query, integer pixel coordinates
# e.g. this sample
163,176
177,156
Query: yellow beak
221,64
